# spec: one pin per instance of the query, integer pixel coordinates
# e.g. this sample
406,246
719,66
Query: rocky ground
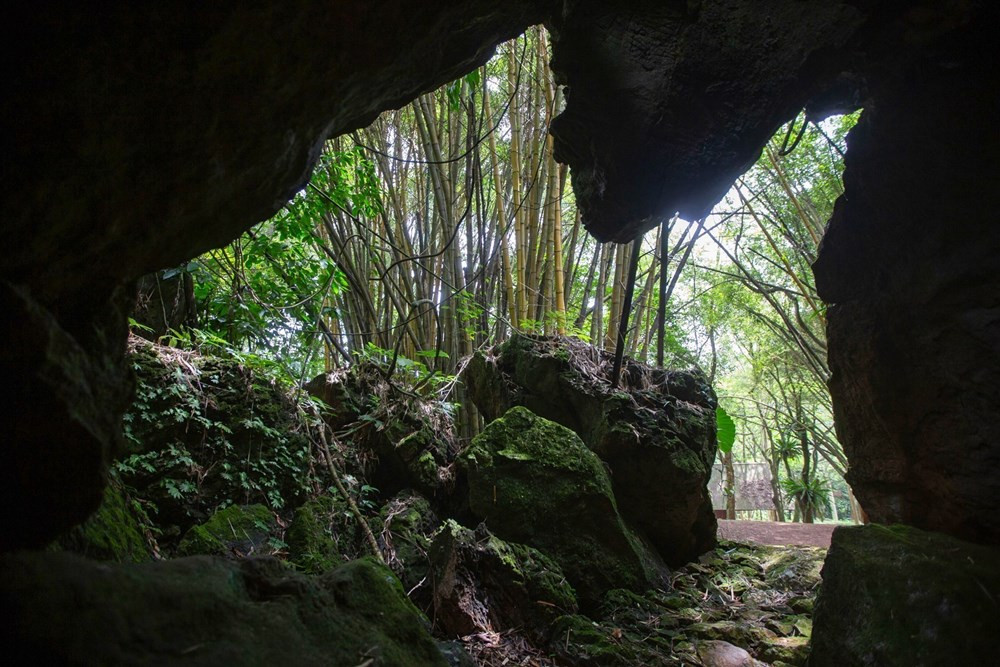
740,604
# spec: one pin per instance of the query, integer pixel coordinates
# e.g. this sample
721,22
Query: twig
365,528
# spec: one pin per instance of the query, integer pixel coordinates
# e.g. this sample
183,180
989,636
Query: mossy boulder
655,432
233,532
114,532
897,595
483,583
793,570
206,611
786,650
534,482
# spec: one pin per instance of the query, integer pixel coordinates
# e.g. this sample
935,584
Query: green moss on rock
113,532
896,595
413,439
407,522
233,531
534,482
311,546
581,641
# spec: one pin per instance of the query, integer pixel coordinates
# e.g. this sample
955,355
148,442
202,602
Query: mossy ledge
208,611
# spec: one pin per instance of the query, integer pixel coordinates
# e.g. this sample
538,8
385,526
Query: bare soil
777,534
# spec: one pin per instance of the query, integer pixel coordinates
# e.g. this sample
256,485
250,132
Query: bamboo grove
448,225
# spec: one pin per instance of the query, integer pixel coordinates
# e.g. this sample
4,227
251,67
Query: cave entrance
400,252
354,283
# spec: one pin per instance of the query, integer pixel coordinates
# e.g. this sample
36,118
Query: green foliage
133,325
266,291
414,375
204,428
726,430
814,494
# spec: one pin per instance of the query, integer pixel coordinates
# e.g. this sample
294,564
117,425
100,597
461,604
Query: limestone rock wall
669,102
911,262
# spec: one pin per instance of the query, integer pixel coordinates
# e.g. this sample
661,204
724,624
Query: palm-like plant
813,496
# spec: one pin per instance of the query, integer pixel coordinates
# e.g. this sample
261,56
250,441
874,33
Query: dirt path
772,532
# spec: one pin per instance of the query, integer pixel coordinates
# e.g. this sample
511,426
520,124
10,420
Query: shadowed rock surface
656,434
911,260
670,102
895,595
483,584
408,443
208,611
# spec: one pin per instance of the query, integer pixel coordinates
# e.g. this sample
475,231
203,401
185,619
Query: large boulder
63,609
534,482
896,595
62,415
656,433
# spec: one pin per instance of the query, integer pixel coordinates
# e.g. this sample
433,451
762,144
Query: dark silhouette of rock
911,262
669,103
895,595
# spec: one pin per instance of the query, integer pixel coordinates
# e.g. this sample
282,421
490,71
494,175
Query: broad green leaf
726,430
